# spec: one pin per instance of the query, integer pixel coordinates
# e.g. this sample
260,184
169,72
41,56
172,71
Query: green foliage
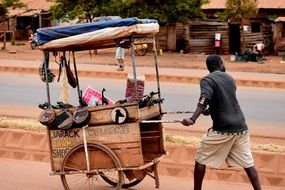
5,4
81,9
165,11
272,17
13,4
3,11
237,9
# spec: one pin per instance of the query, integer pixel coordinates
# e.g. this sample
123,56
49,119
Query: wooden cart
121,151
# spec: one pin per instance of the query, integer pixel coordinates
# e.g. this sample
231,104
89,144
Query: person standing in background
120,55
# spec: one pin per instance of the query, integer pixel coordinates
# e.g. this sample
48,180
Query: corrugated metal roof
262,4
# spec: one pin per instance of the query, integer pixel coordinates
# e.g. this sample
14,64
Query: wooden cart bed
134,143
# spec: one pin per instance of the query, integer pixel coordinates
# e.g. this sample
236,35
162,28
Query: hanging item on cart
64,120
61,119
45,72
81,116
63,64
92,97
150,99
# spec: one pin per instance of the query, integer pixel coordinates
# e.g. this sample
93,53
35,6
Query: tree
80,9
241,10
4,5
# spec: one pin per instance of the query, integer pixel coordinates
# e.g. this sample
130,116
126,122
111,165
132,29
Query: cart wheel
141,49
101,158
128,182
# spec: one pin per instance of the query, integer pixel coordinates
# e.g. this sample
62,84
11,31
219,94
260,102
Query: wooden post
40,21
243,37
186,36
171,37
4,42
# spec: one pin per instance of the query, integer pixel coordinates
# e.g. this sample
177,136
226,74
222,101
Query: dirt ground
23,51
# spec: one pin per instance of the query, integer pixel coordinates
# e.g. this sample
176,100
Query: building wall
202,36
162,38
264,34
15,31
279,38
7,27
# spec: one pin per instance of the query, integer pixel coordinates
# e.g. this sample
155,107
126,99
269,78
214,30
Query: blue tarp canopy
45,35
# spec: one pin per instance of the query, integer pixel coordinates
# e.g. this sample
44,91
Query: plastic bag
130,94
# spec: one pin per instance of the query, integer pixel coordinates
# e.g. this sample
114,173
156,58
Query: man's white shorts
120,53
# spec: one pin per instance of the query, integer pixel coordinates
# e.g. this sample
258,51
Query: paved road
27,175
263,107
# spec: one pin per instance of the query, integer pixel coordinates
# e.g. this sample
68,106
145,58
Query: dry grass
180,140
194,142
34,125
268,147
26,124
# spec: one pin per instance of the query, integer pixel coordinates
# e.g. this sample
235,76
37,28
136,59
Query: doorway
234,38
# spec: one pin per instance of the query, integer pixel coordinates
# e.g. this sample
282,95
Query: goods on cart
135,88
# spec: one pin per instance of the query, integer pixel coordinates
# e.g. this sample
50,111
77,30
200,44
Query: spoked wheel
141,49
101,159
131,178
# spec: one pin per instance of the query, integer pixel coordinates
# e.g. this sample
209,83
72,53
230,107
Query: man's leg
199,173
253,177
121,66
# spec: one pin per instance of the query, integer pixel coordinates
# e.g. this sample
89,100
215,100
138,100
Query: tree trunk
186,37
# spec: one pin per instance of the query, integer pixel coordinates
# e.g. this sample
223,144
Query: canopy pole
46,64
134,68
156,66
77,80
156,70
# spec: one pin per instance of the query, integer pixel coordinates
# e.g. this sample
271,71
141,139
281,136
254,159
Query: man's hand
187,122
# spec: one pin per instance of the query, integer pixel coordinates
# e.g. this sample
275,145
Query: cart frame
79,156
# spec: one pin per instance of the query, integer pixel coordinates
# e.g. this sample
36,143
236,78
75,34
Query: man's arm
201,108
191,120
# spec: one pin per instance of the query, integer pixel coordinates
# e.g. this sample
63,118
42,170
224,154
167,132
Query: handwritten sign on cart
123,138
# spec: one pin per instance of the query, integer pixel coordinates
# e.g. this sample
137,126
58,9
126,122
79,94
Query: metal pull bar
177,112
161,121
